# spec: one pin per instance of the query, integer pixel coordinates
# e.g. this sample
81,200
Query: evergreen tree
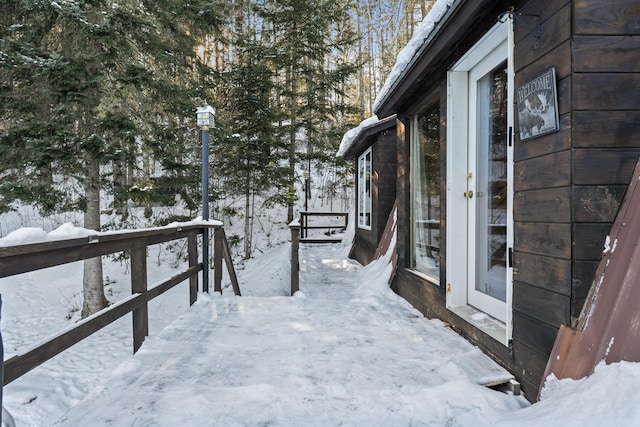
249,153
307,34
87,87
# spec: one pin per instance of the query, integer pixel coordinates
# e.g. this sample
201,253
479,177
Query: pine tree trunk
120,204
92,285
248,213
292,141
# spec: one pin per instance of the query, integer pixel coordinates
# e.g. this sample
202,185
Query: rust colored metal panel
608,328
387,237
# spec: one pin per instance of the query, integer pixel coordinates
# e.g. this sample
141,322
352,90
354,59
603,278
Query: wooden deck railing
300,234
334,221
24,258
294,226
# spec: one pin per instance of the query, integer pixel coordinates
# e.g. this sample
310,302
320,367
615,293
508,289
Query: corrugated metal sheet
608,328
387,239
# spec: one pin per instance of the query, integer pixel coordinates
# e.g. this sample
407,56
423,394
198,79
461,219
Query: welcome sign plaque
537,103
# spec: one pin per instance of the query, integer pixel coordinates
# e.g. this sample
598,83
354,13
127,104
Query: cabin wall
606,125
383,194
569,184
542,282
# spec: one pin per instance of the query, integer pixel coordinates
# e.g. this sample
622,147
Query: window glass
364,190
426,192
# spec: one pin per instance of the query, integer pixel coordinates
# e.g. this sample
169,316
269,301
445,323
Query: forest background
98,100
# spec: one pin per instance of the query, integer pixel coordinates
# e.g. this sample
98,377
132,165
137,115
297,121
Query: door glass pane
426,192
491,202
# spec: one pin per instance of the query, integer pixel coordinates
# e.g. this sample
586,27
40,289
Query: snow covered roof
352,134
421,38
365,128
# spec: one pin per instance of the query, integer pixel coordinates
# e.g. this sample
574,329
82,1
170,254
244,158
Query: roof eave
388,104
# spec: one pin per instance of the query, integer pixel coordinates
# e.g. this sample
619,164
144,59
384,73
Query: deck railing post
139,285
192,244
1,364
295,262
304,232
218,235
205,260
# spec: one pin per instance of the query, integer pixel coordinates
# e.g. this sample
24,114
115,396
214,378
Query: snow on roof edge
421,38
352,134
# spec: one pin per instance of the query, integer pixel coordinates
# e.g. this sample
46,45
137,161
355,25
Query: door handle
468,194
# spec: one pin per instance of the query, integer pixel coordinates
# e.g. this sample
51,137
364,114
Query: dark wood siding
568,185
542,201
386,167
606,131
383,195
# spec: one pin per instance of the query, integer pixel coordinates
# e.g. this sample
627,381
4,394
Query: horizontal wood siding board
552,308
604,54
589,240
525,19
529,368
553,32
547,205
553,274
606,91
362,254
425,297
613,129
547,144
604,166
560,59
366,242
553,240
613,17
536,335
552,170
597,203
583,275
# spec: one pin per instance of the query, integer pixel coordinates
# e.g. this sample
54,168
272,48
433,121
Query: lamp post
206,119
306,191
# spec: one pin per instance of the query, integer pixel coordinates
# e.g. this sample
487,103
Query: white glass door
488,186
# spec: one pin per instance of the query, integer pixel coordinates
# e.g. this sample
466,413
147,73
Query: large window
425,141
364,190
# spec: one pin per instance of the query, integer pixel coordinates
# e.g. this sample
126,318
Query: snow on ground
345,350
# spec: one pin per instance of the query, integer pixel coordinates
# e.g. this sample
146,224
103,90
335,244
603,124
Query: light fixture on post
206,119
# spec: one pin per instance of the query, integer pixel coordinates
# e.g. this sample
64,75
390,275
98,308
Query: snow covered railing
24,258
341,218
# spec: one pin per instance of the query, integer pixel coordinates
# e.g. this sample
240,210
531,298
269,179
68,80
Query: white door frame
496,44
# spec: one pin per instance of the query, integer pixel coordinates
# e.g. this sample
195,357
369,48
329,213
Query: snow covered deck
344,349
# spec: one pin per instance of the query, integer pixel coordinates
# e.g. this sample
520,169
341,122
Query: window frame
365,208
415,186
